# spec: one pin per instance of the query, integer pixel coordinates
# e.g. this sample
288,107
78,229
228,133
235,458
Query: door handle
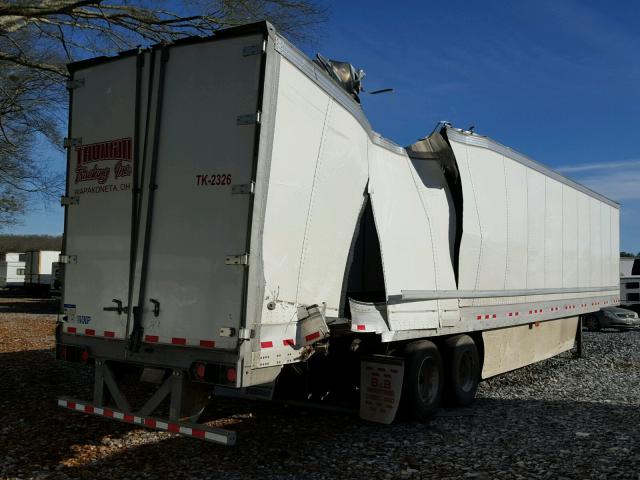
156,306
118,308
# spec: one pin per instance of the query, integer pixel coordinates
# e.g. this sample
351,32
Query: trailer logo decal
103,188
110,150
99,174
119,150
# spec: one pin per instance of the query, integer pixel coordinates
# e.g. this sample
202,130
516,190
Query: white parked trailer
39,268
630,282
12,269
230,212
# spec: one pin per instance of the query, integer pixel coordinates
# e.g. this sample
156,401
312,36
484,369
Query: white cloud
618,180
586,167
617,186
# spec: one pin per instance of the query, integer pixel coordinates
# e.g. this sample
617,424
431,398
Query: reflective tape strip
538,311
181,341
204,343
201,432
149,422
285,342
312,336
90,332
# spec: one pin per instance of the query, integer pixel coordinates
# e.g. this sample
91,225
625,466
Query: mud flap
380,387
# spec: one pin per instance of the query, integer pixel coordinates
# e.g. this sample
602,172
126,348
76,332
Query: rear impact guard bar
217,435
181,412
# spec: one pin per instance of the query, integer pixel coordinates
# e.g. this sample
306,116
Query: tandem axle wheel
432,375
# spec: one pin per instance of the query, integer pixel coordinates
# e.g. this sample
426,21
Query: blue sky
557,80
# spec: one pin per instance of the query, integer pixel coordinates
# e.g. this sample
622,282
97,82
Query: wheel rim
428,380
466,372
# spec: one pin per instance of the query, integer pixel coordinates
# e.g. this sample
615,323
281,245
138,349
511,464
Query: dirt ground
562,418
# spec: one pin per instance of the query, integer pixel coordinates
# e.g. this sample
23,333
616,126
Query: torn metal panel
413,217
436,148
368,317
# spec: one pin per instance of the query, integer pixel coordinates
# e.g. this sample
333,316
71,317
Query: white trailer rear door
199,227
98,220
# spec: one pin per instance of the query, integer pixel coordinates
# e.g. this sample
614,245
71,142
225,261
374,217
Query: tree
626,254
37,38
24,243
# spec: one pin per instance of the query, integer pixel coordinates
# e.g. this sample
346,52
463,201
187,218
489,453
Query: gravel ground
562,418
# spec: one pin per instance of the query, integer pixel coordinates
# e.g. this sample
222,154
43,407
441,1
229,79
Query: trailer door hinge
249,119
75,83
237,259
69,200
72,142
68,259
246,334
245,188
253,50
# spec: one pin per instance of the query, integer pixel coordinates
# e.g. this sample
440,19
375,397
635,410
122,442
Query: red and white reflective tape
89,332
538,311
368,327
201,432
312,336
287,342
180,341
283,343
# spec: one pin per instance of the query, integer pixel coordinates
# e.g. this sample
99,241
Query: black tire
462,369
423,382
592,323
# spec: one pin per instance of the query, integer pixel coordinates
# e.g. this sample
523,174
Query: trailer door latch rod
118,308
156,307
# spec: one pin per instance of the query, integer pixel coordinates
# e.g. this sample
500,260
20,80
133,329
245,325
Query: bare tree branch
37,38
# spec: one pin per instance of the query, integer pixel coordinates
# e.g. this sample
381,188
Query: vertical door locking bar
135,340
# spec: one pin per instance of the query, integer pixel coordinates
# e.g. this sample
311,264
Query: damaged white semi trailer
234,225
